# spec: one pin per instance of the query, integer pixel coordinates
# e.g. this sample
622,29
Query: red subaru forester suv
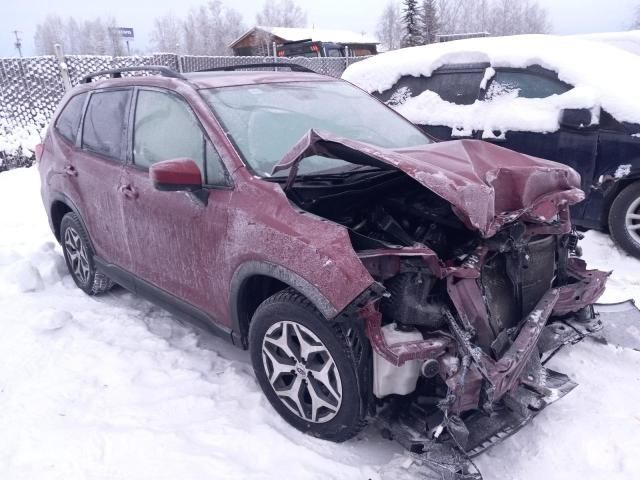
371,272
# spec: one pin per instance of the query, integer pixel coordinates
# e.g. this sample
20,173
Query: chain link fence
32,87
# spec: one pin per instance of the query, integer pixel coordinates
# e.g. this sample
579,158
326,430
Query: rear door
94,168
174,237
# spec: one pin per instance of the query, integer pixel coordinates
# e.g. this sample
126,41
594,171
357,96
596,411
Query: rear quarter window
68,121
105,123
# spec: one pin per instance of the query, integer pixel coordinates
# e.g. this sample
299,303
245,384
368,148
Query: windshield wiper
359,170
343,174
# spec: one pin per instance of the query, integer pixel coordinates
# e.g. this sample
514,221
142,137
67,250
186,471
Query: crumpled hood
487,186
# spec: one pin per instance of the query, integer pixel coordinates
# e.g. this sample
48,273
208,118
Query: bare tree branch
281,13
389,30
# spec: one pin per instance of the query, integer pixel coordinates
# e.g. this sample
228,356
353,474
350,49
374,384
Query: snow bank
601,73
600,252
17,143
113,387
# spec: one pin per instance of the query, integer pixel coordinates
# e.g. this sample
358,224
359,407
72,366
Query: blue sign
124,32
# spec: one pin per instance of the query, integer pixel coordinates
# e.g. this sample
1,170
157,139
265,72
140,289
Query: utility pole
18,42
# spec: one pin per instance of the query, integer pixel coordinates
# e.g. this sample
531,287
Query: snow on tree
429,21
167,33
497,17
635,24
89,37
281,13
512,17
208,30
48,33
411,21
390,28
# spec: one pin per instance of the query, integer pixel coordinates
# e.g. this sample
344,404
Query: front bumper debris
416,425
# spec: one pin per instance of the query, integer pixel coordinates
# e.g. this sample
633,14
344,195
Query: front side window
265,121
524,85
105,123
165,128
69,120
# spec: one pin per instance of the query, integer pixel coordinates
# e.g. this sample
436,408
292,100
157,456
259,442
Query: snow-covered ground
115,388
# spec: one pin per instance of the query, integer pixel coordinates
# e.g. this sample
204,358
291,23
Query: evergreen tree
411,21
429,21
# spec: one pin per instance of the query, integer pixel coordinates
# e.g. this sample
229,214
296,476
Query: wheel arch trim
253,268
61,197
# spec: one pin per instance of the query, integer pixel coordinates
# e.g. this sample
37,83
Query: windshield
265,121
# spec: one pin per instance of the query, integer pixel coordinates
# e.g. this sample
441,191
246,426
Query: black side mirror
576,118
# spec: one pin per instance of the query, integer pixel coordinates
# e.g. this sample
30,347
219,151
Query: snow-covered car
371,272
570,100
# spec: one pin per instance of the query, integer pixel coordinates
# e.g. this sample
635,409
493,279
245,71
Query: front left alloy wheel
306,367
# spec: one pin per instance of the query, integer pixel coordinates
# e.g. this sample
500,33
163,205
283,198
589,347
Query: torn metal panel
487,186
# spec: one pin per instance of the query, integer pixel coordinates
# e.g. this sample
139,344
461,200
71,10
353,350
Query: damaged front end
477,285
489,323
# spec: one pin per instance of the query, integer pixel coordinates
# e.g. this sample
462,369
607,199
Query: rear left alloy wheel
306,367
78,255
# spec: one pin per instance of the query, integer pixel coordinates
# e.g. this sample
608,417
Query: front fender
278,272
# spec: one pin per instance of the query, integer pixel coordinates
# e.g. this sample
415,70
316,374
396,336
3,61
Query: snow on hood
487,186
603,75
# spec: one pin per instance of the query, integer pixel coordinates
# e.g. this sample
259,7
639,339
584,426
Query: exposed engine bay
389,209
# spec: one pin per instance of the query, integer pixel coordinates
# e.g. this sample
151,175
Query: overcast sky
567,16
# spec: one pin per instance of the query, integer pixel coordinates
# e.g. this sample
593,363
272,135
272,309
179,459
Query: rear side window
166,128
525,85
69,119
461,88
105,123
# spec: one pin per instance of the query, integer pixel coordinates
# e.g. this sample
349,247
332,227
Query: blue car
544,96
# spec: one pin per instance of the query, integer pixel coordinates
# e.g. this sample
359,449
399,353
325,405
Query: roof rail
117,72
230,68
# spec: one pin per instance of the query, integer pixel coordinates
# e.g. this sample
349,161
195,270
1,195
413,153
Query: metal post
179,58
64,68
275,54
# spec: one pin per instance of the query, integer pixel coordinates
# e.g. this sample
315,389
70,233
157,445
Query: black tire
618,220
291,307
78,255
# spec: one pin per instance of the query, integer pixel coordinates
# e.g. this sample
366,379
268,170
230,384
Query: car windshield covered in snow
265,121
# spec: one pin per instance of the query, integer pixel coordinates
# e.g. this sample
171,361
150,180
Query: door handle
71,171
128,191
